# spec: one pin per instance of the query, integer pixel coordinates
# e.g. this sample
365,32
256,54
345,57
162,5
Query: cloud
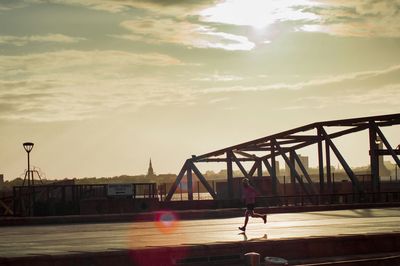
9,5
109,61
37,100
218,100
172,31
257,13
385,96
357,18
176,7
323,81
24,40
75,85
79,99
219,78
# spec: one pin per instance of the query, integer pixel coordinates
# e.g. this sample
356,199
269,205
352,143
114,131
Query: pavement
170,230
206,237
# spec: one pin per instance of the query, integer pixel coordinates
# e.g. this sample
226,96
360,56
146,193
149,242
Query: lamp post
28,146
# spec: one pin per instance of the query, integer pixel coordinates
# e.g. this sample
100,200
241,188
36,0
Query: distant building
150,171
383,171
1,182
303,160
277,168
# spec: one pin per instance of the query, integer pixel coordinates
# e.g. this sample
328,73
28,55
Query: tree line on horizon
167,178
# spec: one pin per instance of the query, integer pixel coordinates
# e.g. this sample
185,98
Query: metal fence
65,199
330,199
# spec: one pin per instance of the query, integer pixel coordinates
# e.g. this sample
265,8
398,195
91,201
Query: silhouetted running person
249,194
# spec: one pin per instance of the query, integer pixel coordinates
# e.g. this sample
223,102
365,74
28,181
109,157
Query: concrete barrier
222,253
182,214
252,259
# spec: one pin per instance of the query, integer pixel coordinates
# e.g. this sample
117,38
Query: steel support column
374,157
273,174
292,172
328,166
320,163
229,173
189,182
259,168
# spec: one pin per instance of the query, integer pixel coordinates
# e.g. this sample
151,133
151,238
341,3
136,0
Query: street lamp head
28,146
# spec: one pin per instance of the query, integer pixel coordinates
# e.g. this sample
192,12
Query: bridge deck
19,241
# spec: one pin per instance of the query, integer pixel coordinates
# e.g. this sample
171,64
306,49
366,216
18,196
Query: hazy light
257,13
314,28
166,221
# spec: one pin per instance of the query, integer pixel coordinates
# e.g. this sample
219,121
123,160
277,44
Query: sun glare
166,221
257,13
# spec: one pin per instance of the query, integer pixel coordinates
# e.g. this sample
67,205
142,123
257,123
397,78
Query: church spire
150,171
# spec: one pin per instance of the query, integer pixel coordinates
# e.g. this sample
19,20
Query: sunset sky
100,86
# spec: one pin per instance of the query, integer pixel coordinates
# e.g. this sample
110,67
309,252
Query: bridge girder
288,142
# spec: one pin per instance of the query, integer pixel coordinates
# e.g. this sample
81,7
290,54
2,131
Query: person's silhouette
249,195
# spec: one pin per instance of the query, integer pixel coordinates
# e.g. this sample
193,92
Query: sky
102,86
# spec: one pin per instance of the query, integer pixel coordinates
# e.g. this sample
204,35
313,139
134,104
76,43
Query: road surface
17,241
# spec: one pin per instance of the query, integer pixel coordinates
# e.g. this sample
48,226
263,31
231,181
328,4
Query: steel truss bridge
263,152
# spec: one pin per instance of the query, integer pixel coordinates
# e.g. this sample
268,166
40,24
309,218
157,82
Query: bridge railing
65,199
329,199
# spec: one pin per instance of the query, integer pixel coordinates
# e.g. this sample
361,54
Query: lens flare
166,221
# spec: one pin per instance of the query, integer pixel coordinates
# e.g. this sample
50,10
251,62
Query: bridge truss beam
265,151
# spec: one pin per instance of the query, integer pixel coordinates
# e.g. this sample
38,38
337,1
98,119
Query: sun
257,13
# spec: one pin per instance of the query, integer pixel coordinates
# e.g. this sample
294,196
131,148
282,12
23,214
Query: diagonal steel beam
293,169
177,181
235,159
203,180
331,136
342,161
254,168
320,138
272,173
305,173
268,165
387,144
